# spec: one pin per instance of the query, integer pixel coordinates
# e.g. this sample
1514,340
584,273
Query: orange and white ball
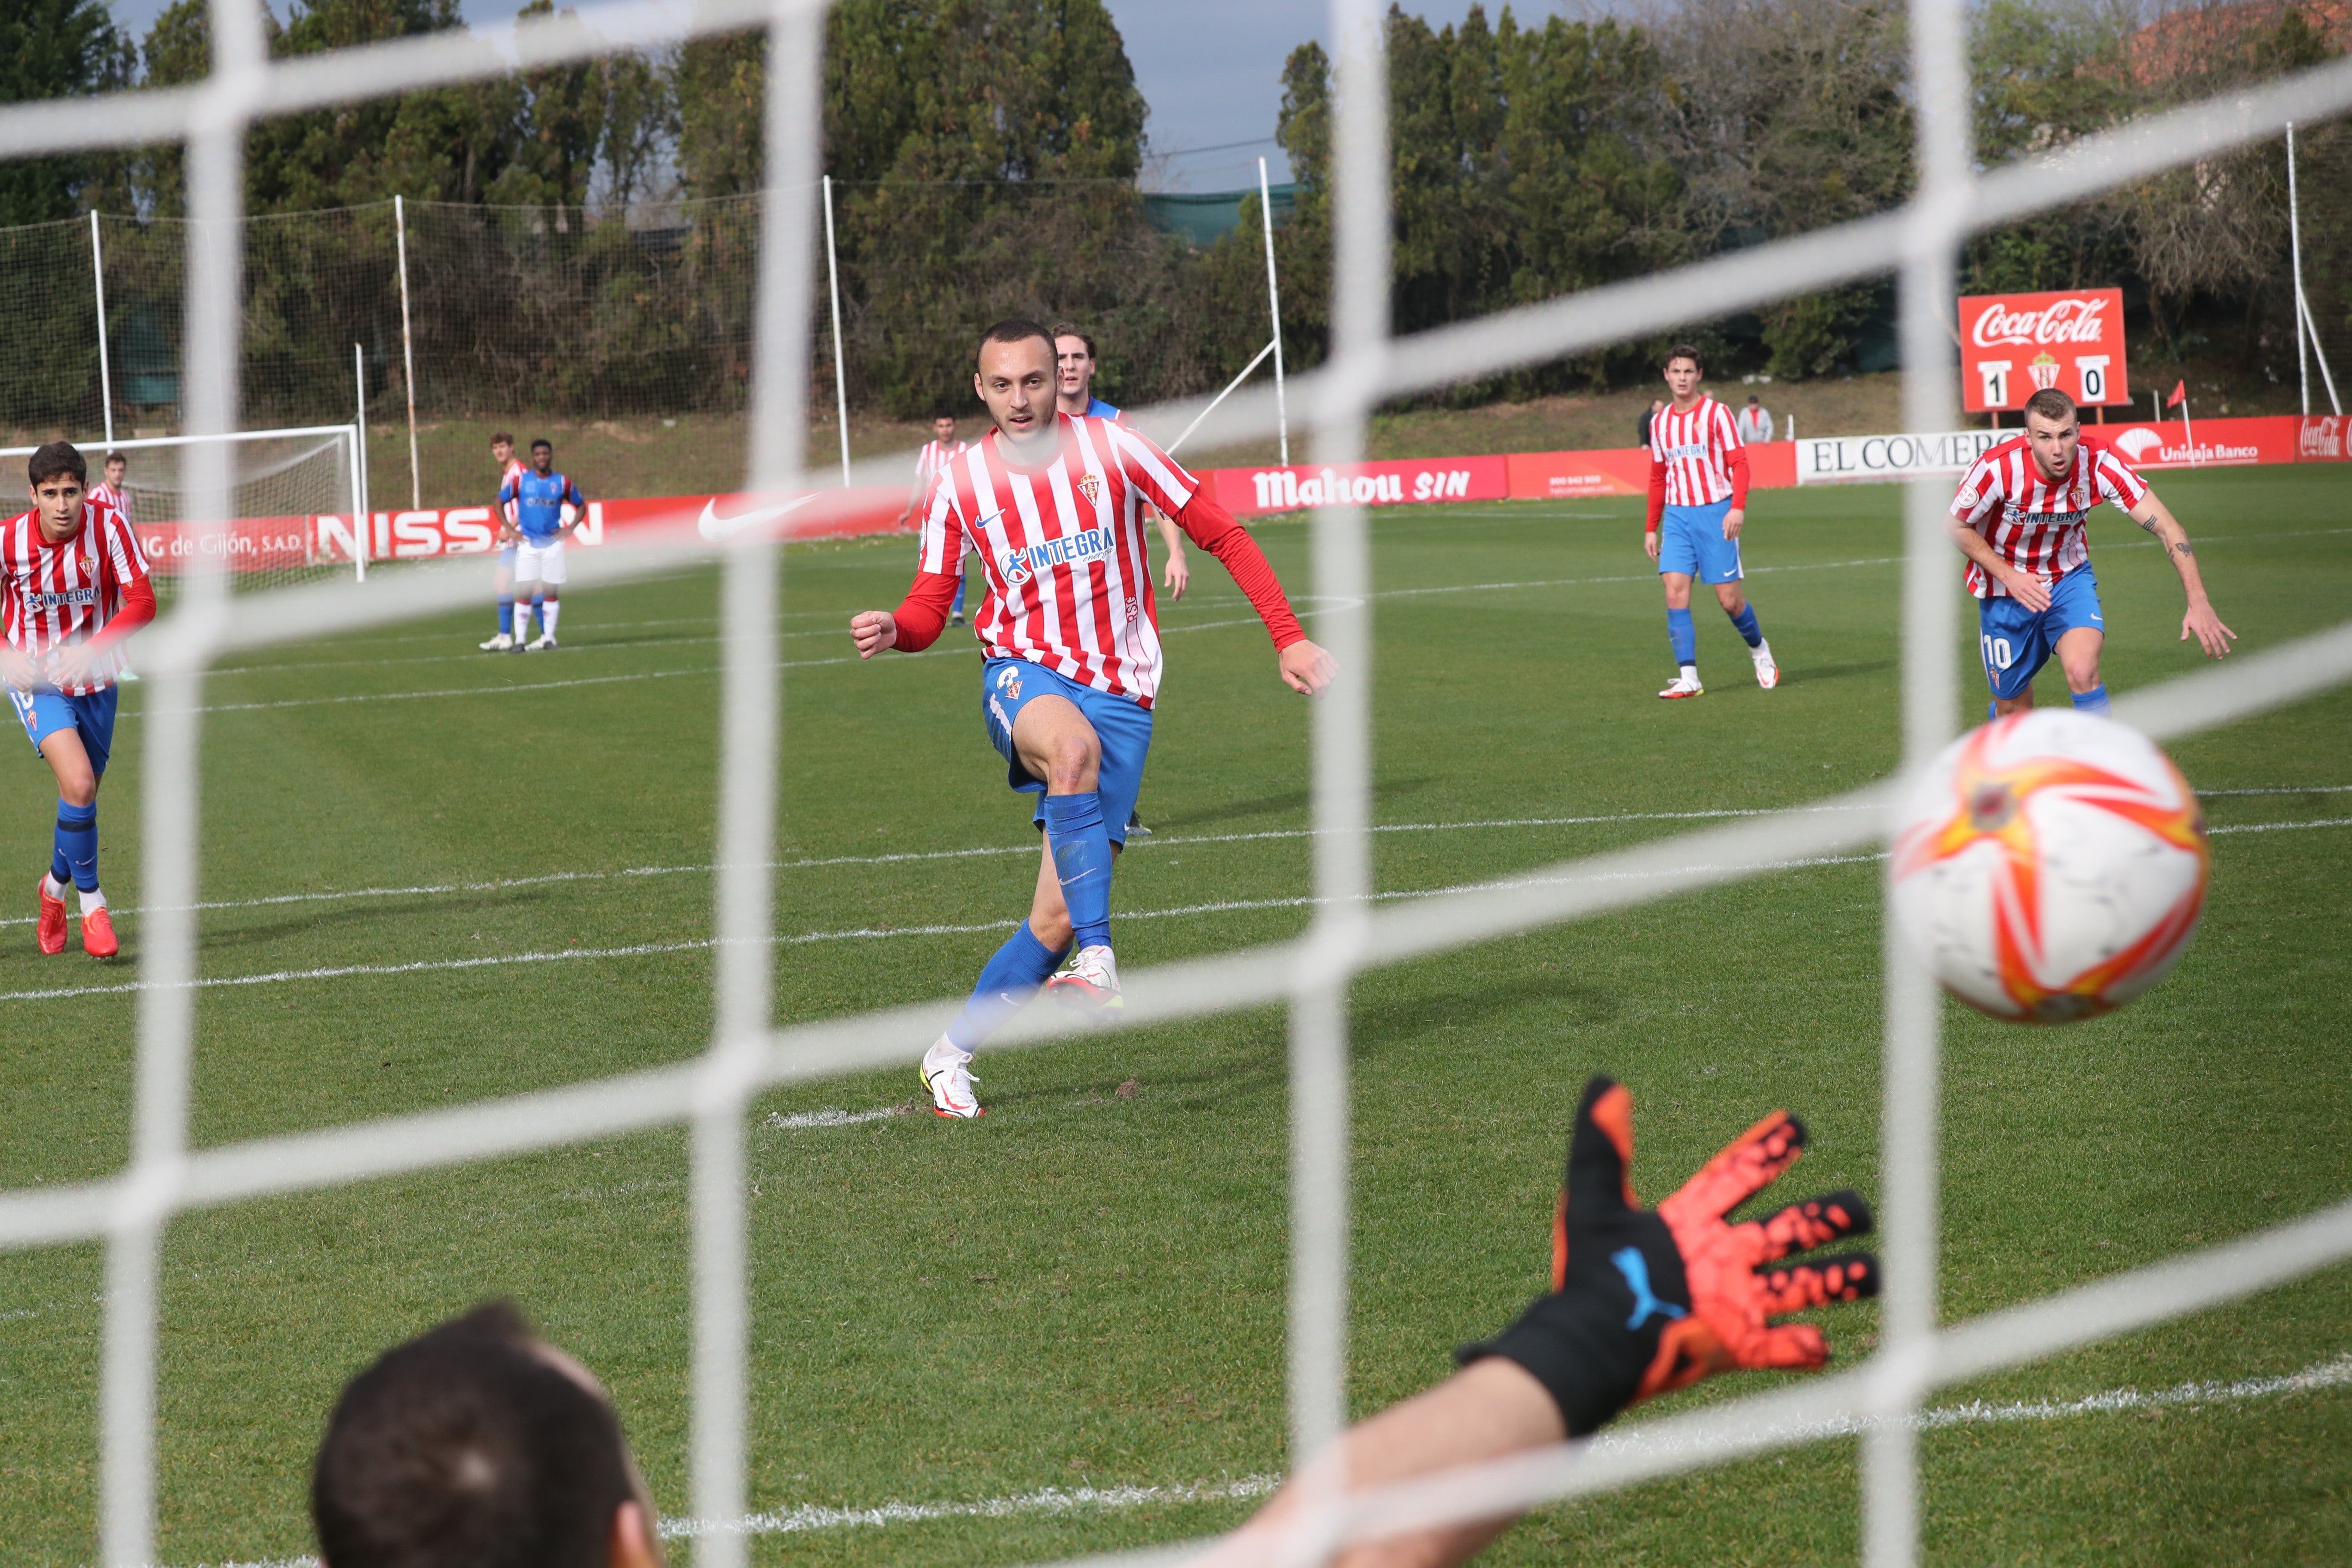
2052,865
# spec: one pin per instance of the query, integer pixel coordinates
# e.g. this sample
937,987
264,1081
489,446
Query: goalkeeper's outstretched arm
1642,1302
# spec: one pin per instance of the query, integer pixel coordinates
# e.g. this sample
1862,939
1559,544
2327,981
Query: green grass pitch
1086,1288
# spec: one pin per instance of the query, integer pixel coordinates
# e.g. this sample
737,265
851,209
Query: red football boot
98,935
53,919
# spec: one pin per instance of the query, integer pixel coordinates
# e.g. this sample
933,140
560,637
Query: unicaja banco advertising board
2014,345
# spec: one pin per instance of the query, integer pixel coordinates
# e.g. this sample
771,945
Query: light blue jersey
538,504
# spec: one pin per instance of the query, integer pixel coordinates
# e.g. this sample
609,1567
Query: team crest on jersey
1090,486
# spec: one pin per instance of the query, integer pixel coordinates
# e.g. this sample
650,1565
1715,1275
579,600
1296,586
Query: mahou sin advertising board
2014,345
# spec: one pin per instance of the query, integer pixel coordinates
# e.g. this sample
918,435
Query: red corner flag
2179,394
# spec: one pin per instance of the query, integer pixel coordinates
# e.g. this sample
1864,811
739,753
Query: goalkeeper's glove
1645,1302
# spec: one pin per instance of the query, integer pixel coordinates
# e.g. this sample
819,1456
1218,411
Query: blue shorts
1691,541
1123,726
91,717
2016,642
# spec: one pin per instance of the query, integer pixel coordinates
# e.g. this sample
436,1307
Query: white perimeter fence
1311,974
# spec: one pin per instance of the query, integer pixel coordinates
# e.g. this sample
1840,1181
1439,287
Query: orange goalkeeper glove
1645,1302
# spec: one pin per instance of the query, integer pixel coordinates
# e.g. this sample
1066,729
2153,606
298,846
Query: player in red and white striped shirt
937,454
73,586
111,491
2020,518
1698,503
1055,506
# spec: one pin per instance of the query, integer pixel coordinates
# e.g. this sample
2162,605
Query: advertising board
2013,345
1251,492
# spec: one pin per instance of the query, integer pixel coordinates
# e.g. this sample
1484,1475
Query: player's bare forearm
2200,622
1306,668
1179,574
2028,589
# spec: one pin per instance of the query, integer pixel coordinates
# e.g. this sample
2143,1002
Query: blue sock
1074,825
538,602
1007,980
77,848
2095,701
1992,712
1683,636
506,615
1746,621
957,607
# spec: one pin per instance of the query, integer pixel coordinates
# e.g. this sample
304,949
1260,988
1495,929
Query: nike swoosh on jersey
714,528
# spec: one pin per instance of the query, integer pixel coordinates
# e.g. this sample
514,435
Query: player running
2020,519
1071,657
502,579
77,586
1698,488
930,463
541,498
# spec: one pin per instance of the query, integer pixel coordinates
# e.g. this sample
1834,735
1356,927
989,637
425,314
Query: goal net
171,1172
296,511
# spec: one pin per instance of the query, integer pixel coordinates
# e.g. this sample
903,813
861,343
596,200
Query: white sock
51,886
547,616
93,899
1763,649
944,1053
1690,673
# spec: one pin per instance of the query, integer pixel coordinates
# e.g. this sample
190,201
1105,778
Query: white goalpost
297,508
128,1212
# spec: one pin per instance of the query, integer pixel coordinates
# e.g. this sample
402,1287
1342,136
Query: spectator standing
1755,422
1657,406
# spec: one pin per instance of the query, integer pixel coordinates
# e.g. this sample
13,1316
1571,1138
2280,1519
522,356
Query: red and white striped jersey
515,472
2037,524
64,594
1069,583
935,455
106,495
1695,445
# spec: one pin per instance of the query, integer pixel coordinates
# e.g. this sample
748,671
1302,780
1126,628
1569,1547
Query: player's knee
1072,763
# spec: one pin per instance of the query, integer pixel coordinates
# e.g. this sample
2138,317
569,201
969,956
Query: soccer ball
2051,866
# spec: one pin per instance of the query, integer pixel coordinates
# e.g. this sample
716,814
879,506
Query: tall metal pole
1273,310
2295,246
106,378
358,463
407,352
840,371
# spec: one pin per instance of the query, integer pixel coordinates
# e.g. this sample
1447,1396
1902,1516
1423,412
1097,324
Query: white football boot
947,1073
1090,980
1682,686
499,643
543,643
1767,674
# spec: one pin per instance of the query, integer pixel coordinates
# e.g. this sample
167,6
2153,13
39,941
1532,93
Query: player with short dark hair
541,497
478,1443
510,469
1642,1302
2019,519
1071,647
1698,504
76,587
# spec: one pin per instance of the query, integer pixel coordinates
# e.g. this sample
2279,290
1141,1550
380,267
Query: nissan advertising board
2014,345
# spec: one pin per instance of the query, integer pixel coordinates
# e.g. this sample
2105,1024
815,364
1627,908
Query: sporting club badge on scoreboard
2014,345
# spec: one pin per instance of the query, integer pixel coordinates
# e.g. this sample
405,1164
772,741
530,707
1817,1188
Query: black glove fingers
1600,1153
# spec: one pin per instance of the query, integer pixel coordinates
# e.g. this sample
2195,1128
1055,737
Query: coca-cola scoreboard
2013,345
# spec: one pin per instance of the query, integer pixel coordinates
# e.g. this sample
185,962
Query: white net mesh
1311,976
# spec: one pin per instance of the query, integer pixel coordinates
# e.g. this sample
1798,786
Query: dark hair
2051,404
1751,397
1064,329
58,457
542,441
114,457
1014,330
503,439
939,414
1684,351
468,1446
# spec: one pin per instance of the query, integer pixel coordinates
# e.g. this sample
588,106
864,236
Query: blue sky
1211,69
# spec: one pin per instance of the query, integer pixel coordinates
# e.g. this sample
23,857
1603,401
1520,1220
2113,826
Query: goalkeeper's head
478,1443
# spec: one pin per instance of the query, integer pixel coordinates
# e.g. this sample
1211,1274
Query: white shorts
540,563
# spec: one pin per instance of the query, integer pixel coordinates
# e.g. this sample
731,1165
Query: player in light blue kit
541,500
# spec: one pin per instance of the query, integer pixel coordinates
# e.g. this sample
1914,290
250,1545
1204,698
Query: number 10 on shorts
1998,654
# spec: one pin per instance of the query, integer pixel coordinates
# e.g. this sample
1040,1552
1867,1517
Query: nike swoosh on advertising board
714,528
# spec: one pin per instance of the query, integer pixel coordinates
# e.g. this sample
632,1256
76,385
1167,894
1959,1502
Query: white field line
2333,1374
859,933
500,884
803,1120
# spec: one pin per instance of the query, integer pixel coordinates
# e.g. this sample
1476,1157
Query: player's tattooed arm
2200,622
